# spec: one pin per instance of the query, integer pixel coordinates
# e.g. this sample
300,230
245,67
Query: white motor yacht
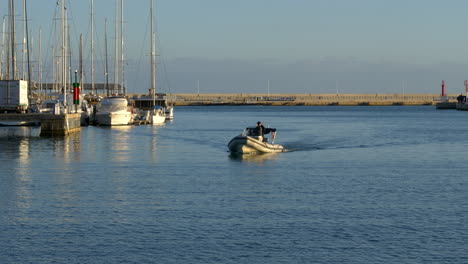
251,142
113,111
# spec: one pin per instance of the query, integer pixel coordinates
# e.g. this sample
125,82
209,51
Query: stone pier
51,125
60,125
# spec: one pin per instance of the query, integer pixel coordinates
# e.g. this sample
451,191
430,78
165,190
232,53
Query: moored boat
152,108
113,111
169,111
250,141
446,105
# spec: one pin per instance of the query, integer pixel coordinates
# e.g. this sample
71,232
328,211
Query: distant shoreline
305,99
295,104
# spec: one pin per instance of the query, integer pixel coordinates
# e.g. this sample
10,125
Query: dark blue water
360,185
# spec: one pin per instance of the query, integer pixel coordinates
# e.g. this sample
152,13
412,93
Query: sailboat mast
92,47
153,55
107,63
23,52
81,59
8,56
2,54
12,40
55,55
30,55
122,46
40,59
116,47
27,51
64,57
69,53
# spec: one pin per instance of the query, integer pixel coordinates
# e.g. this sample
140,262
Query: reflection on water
153,141
24,174
254,158
173,193
68,145
20,131
122,144
119,139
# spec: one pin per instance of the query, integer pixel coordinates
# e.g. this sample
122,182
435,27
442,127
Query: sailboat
157,114
113,110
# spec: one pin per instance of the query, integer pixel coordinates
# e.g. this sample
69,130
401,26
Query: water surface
359,185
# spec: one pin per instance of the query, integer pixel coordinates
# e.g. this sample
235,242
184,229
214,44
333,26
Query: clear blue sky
311,46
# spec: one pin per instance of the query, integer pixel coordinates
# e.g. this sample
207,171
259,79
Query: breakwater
307,99
51,125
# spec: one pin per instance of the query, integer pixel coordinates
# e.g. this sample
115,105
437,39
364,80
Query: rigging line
142,51
99,49
27,49
166,75
163,63
99,52
87,55
73,28
163,59
48,60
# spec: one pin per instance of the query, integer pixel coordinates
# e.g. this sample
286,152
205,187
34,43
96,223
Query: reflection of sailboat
19,131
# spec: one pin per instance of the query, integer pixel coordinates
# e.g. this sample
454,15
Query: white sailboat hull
150,117
158,118
169,112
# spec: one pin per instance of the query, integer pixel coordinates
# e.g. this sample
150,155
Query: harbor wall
307,99
51,125
60,125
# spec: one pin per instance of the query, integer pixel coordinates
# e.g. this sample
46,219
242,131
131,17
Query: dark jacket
260,130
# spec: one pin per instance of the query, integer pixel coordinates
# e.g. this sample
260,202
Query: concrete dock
51,125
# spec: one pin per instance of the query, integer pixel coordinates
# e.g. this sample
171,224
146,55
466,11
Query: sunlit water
359,185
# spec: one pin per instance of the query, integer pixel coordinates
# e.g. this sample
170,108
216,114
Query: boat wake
299,145
294,147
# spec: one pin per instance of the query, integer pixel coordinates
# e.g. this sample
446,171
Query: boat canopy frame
251,131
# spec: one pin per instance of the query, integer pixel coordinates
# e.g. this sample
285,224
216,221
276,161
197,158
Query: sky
295,46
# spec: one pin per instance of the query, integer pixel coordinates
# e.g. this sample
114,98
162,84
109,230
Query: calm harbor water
360,185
